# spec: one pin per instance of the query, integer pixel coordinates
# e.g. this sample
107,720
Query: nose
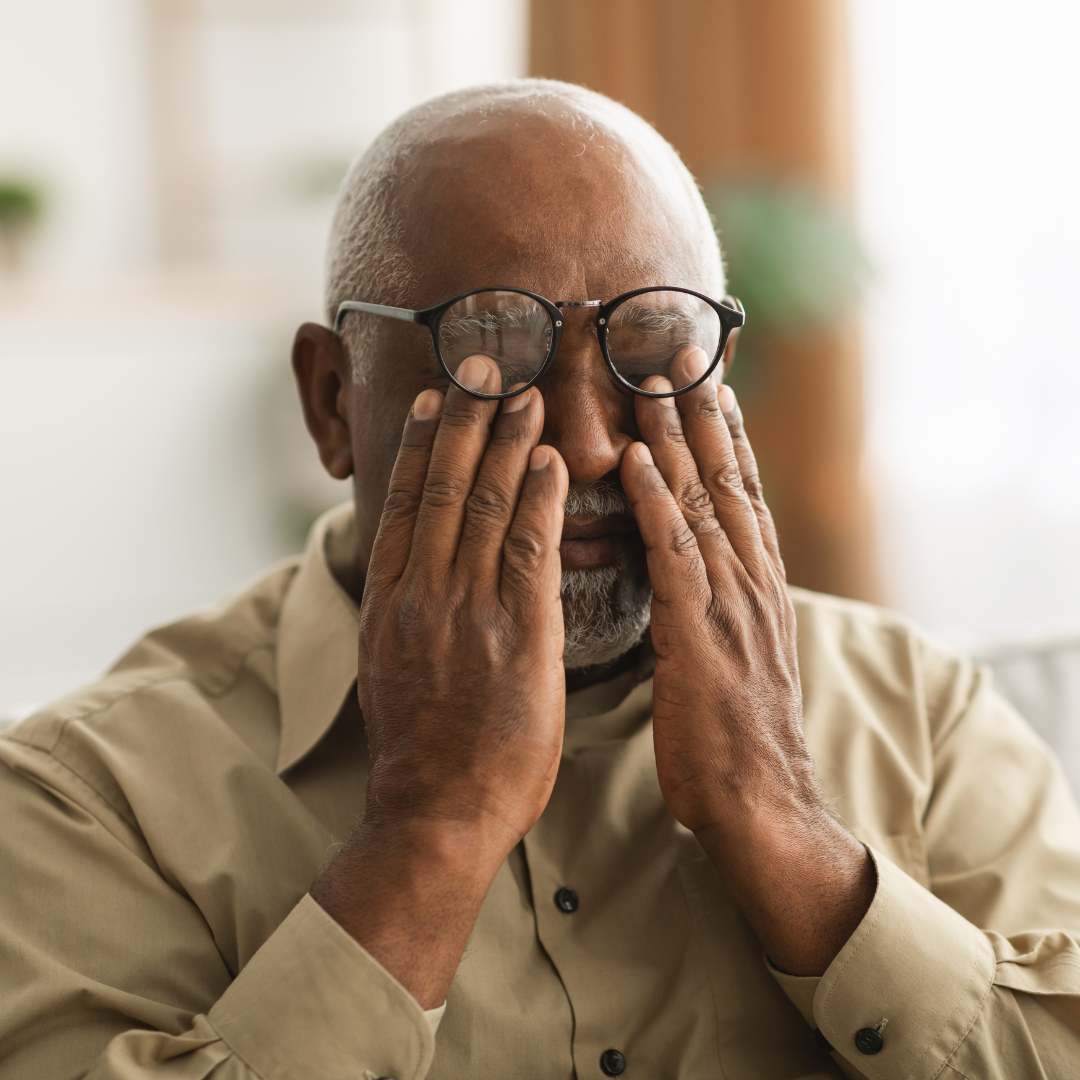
586,417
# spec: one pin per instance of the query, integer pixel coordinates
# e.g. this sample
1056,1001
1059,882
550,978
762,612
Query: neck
579,678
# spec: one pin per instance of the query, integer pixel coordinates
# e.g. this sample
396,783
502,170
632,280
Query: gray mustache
600,499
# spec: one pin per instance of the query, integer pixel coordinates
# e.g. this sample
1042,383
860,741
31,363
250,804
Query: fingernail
540,457
428,405
516,404
642,453
697,363
473,372
725,398
660,385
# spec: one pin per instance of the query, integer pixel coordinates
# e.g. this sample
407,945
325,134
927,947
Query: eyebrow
518,317
655,320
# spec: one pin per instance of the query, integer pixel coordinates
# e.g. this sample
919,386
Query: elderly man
602,796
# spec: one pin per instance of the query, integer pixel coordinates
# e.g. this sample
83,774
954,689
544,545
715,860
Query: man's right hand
460,677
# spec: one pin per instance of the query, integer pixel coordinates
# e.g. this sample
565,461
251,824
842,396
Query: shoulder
880,697
207,680
881,659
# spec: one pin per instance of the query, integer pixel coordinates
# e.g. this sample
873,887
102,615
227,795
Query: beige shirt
159,831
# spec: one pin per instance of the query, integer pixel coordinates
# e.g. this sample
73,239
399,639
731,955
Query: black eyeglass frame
731,318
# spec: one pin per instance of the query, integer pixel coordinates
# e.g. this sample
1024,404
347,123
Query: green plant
792,257
21,207
21,202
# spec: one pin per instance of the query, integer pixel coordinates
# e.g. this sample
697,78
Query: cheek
377,421
377,418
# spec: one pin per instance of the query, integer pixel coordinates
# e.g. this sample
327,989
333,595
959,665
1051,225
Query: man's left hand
731,758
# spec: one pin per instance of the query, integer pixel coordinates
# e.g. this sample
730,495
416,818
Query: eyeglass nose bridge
560,304
578,304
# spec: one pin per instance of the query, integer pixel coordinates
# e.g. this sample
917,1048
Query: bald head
535,168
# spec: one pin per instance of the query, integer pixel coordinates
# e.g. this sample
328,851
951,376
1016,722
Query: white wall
969,154
73,113
150,446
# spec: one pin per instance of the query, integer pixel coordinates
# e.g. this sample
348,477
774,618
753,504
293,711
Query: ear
729,351
322,377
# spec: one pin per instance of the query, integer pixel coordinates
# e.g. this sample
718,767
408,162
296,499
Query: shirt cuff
800,988
914,971
313,1002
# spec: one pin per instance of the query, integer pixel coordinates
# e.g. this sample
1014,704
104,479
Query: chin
605,612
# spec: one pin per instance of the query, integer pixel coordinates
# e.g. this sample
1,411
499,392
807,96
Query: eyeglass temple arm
736,312
404,314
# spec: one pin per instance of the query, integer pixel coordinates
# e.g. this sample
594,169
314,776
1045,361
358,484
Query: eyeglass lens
652,333
657,333
511,328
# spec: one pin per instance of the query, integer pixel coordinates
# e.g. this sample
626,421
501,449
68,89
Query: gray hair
366,256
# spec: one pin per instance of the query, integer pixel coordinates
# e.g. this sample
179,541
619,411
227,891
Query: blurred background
896,190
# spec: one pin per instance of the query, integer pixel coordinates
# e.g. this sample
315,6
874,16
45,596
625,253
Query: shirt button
567,900
868,1040
612,1063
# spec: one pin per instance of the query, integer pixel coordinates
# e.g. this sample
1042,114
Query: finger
676,568
390,552
710,444
531,580
490,507
458,448
661,425
748,470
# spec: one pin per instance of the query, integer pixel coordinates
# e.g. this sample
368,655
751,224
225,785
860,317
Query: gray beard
605,609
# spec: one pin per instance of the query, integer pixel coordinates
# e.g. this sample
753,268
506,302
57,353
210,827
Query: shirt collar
316,654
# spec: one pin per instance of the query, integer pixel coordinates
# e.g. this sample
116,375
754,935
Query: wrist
409,891
420,845
777,825
404,863
803,881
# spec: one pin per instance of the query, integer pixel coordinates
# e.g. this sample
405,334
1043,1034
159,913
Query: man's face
522,200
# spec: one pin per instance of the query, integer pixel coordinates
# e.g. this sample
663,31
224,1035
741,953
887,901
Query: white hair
366,256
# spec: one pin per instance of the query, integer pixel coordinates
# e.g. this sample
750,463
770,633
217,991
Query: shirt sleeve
311,1002
966,978
111,972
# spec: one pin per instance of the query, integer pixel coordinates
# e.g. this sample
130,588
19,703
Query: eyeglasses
641,333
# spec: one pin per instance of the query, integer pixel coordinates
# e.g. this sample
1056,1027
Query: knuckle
727,481
759,610
490,646
410,617
399,503
672,431
524,551
706,526
707,406
751,483
509,435
488,503
463,414
683,542
697,503
444,489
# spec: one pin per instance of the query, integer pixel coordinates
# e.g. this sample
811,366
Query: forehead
556,205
